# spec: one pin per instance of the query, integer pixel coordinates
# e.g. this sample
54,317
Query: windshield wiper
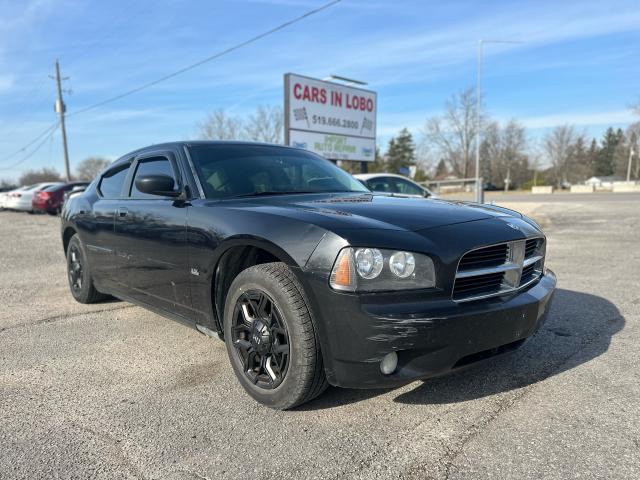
292,192
268,192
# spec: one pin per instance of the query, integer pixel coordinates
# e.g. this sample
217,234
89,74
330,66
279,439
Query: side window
381,184
111,182
152,166
408,188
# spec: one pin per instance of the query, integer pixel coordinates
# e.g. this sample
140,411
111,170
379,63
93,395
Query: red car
50,199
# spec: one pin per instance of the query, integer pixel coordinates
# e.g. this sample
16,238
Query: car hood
345,211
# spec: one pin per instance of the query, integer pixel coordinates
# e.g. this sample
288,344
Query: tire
80,281
290,382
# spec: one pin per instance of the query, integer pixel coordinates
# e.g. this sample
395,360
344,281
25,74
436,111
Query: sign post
332,120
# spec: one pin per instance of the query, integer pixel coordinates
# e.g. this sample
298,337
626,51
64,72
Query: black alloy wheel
260,338
271,338
75,268
79,273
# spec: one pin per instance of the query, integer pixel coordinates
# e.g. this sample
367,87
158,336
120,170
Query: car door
152,237
99,233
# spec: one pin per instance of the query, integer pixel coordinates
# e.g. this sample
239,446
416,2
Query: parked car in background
51,199
21,198
4,194
394,184
75,190
8,197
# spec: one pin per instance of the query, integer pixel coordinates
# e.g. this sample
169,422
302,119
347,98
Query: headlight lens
402,264
372,269
369,262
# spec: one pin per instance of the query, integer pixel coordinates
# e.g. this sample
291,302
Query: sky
578,64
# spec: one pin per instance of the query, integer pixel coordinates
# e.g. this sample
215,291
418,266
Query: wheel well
234,261
66,237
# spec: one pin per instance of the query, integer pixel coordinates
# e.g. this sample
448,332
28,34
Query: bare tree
6,184
90,167
220,126
453,134
38,176
561,146
265,125
504,156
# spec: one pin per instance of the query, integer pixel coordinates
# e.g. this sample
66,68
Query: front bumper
430,337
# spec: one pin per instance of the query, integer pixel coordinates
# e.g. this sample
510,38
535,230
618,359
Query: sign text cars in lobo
335,121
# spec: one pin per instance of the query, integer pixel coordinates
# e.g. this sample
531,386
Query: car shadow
579,328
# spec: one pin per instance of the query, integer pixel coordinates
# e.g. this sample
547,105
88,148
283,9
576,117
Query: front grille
531,246
528,273
485,257
480,285
498,269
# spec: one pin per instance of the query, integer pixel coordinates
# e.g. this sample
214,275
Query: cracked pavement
114,391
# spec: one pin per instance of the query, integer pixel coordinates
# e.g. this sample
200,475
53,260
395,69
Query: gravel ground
113,391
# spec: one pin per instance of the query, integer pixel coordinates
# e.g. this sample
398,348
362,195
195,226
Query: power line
207,59
50,128
33,152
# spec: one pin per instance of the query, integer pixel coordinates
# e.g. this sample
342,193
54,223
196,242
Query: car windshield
228,171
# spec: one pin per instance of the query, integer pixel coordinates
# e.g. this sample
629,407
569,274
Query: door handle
122,212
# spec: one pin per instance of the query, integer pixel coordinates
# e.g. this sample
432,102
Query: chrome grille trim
523,257
532,260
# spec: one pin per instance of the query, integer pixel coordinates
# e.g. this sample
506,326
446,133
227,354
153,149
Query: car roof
369,176
188,143
57,186
40,185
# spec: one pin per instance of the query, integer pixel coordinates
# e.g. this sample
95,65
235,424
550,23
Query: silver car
394,185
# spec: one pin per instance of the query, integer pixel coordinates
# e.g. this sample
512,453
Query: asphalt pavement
113,391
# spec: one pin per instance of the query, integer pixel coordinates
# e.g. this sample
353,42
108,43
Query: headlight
369,262
402,264
373,269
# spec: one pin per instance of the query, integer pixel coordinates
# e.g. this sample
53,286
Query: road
558,197
113,391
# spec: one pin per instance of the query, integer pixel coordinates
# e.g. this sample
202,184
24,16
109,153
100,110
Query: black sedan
308,277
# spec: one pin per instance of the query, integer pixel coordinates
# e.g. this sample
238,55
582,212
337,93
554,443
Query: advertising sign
332,120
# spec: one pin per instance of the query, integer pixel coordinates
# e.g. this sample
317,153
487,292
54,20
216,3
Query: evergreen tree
441,170
605,161
401,152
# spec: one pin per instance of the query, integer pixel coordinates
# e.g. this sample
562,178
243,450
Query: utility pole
61,108
629,165
479,190
479,181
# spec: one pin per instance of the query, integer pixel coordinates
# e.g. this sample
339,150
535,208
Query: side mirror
162,185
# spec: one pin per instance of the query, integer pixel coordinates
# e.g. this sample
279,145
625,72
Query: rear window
111,182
